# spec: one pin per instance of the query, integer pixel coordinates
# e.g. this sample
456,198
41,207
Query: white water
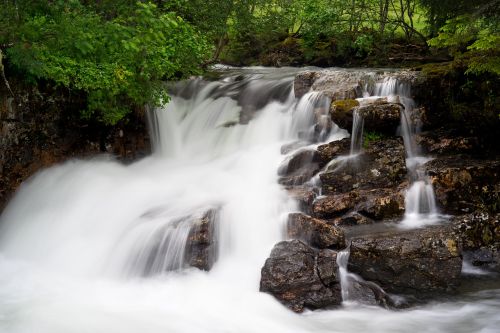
69,239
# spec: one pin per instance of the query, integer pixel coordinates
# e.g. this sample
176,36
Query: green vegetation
117,59
117,53
369,137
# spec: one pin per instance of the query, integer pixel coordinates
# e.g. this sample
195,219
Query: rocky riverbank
341,194
42,126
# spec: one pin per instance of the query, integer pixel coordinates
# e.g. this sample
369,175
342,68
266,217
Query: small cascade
357,133
355,289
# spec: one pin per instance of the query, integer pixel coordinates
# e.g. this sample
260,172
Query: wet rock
477,230
445,142
381,165
382,117
351,219
335,205
381,204
417,262
301,277
463,184
299,168
369,293
289,147
331,150
303,82
315,232
377,204
341,112
304,196
487,257
201,246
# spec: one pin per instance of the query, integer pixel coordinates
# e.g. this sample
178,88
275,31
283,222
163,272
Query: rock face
202,241
381,165
463,184
446,142
414,262
480,235
329,151
299,168
382,117
42,126
303,82
301,277
315,232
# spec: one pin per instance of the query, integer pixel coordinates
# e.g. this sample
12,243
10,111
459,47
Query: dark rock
335,205
381,117
331,150
381,165
377,204
303,82
299,168
478,230
381,204
315,232
369,293
202,241
463,184
302,277
444,142
417,262
485,257
352,219
304,196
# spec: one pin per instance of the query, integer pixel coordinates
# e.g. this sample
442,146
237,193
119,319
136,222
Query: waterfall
357,133
97,246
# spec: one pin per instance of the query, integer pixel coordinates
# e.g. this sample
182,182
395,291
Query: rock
351,219
477,230
304,196
202,241
417,262
301,277
303,82
299,168
315,232
463,184
485,258
369,293
289,147
335,205
379,116
381,165
377,204
382,204
341,112
445,142
331,150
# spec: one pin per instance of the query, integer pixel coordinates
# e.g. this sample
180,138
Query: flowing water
96,246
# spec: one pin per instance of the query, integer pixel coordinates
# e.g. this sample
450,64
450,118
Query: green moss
369,137
344,105
438,69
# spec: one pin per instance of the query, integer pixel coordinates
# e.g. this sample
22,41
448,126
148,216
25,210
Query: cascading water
95,246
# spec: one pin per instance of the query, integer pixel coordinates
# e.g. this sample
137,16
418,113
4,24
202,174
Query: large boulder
379,116
381,164
376,204
463,184
417,262
315,232
302,277
304,196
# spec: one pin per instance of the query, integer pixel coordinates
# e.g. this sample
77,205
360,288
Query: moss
438,70
369,137
344,105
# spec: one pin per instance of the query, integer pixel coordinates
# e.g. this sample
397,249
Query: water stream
96,246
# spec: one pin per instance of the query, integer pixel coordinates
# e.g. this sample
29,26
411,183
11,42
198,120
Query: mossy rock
344,105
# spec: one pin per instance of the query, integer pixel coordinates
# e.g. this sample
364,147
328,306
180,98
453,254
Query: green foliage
472,40
119,63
